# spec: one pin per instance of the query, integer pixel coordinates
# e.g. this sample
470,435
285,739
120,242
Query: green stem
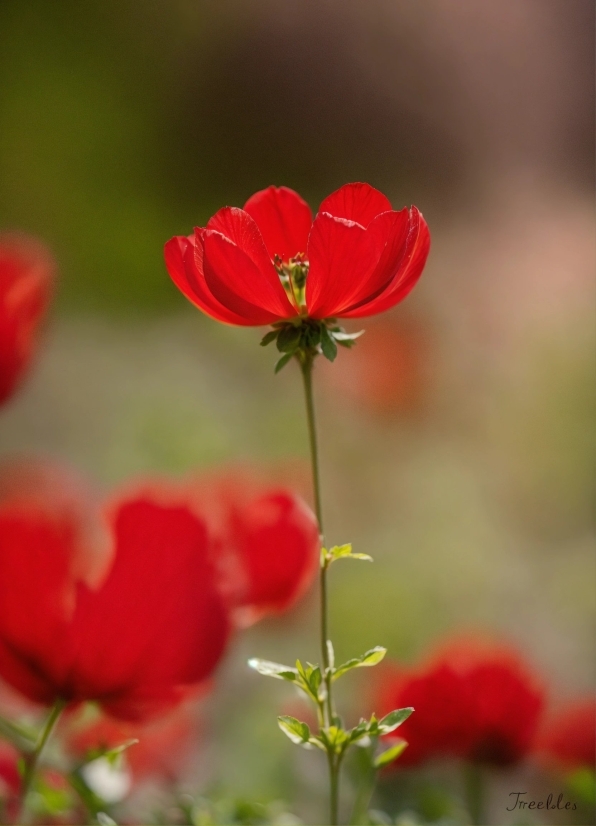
474,792
306,365
32,759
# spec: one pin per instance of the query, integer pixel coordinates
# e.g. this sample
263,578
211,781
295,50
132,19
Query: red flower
473,700
268,543
26,277
568,739
265,538
271,262
154,627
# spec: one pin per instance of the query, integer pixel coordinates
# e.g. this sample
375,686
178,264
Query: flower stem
306,365
32,759
474,792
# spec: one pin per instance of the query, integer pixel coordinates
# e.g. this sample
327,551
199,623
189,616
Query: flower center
292,275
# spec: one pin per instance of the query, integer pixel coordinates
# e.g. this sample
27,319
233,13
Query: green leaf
336,738
269,337
22,737
372,657
288,339
298,732
328,345
358,732
269,669
113,755
330,654
390,755
282,362
394,719
341,552
341,335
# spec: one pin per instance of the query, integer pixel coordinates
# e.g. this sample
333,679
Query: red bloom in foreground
138,637
26,277
477,701
271,262
568,739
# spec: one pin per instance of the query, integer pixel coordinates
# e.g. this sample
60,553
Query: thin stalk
32,759
474,792
306,365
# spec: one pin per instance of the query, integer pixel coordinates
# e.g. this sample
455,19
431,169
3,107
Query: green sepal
298,732
288,339
22,737
371,657
389,755
283,361
328,345
269,337
270,669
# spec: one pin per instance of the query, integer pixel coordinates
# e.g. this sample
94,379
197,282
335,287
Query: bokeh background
457,437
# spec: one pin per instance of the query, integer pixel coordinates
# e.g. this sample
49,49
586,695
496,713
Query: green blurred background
457,438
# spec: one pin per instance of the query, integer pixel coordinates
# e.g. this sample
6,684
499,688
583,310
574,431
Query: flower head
26,280
134,633
270,262
474,700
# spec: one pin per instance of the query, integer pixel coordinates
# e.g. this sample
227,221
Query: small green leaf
113,755
269,669
341,335
269,337
394,719
328,345
298,732
341,552
372,657
282,362
330,654
390,755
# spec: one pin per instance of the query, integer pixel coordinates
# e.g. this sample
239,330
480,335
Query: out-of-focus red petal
342,256
275,538
241,271
405,278
51,538
568,738
158,625
356,202
26,282
184,262
283,218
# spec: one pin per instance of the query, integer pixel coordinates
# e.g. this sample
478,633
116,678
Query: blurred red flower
568,738
389,372
26,280
164,746
271,262
10,779
268,542
136,639
473,699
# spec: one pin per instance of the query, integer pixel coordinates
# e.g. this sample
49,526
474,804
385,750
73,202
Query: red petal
342,256
26,281
50,539
275,537
283,218
405,278
356,202
184,261
158,625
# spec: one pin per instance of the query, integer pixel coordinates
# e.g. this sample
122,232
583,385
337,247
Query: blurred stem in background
474,792
31,760
334,760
